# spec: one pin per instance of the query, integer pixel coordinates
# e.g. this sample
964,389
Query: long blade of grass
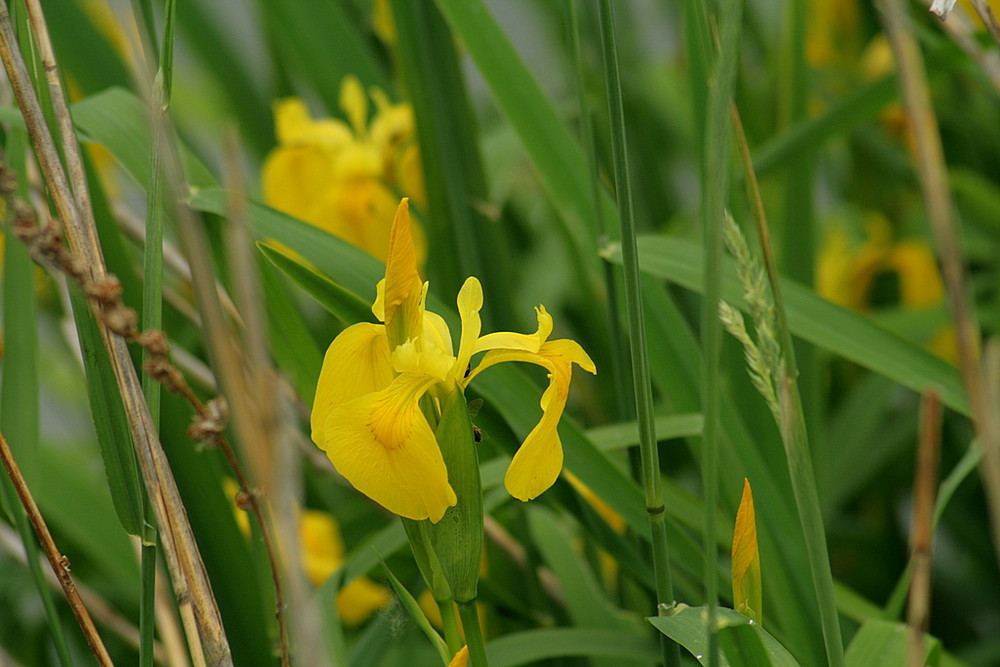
815,320
462,242
559,160
642,392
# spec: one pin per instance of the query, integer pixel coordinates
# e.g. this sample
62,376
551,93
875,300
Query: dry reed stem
180,550
59,563
933,177
924,487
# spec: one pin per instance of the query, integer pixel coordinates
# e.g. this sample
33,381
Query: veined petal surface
382,444
356,363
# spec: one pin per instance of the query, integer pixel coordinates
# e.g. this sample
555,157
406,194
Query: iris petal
506,340
470,301
382,444
356,363
537,463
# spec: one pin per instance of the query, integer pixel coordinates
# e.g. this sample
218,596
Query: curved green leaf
815,320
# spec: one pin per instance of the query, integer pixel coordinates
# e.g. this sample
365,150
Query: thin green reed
152,300
715,180
794,436
636,321
619,362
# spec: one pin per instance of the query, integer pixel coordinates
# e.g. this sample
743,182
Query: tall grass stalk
619,360
642,388
715,181
152,311
792,425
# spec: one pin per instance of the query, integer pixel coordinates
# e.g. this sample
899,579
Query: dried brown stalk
924,488
191,585
59,562
932,172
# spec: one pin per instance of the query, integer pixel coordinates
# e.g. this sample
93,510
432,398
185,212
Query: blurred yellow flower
367,413
322,555
850,274
344,177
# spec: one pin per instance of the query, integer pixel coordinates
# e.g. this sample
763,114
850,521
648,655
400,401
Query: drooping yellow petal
747,589
356,363
382,444
538,461
294,180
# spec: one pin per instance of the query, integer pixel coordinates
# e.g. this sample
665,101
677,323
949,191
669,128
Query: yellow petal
296,178
359,599
382,444
322,547
354,102
461,658
294,126
537,463
470,301
403,288
356,363
506,340
747,590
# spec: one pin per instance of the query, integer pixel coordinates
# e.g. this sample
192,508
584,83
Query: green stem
473,633
452,634
152,313
633,303
715,179
619,362
795,439
147,601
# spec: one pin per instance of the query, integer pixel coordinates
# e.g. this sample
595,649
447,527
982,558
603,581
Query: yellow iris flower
367,414
342,177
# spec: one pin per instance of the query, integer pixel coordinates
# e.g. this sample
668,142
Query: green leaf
815,320
318,41
626,434
810,134
413,609
461,240
559,159
586,602
530,646
686,626
293,346
110,421
340,302
881,643
119,121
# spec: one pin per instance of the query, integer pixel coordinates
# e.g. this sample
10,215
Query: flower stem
473,633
